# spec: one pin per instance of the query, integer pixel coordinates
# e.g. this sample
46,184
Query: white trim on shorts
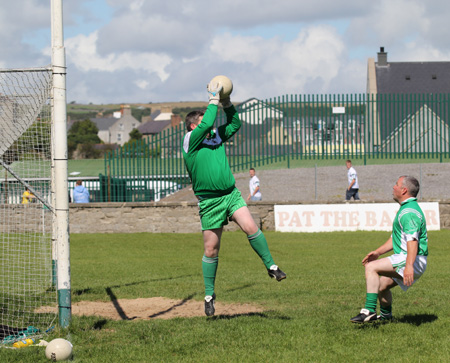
398,262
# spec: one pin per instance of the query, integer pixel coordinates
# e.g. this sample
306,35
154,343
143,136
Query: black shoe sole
209,313
363,322
277,278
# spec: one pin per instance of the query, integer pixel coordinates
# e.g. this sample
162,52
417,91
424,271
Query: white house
116,130
256,112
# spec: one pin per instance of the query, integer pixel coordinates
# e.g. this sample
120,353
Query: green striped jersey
409,224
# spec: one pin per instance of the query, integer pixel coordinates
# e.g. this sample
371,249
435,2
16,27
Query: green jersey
204,154
409,224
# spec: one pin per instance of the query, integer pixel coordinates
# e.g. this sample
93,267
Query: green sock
385,311
209,267
259,244
371,301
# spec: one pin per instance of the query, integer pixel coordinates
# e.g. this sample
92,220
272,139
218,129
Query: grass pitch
306,317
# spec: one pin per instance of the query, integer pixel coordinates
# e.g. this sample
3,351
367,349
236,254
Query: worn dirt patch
155,308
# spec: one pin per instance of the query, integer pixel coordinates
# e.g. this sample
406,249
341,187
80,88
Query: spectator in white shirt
353,186
255,191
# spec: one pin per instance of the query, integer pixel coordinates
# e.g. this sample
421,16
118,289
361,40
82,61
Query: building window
119,136
121,126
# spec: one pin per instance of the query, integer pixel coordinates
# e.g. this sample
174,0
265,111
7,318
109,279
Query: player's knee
211,250
251,229
370,267
211,253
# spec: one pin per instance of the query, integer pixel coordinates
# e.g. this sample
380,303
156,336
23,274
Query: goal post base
64,307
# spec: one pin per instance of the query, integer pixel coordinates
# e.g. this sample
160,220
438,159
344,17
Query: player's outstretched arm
202,130
373,255
226,102
233,122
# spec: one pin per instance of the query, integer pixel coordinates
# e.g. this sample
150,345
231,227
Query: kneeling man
410,244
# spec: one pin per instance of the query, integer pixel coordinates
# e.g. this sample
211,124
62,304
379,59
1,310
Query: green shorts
215,212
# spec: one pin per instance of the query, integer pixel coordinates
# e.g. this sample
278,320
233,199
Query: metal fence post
315,180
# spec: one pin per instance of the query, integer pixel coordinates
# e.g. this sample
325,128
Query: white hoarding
338,109
346,217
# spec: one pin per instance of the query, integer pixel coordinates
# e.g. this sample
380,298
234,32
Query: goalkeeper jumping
214,186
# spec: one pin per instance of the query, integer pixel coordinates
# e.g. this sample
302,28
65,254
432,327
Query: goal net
27,289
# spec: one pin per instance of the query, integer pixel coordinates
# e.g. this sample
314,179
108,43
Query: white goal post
34,227
59,175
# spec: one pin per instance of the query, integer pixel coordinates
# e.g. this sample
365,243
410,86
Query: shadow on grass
416,319
97,289
100,324
259,315
124,316
172,307
117,306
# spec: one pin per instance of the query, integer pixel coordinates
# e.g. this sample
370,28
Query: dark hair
349,161
252,169
412,184
192,118
79,182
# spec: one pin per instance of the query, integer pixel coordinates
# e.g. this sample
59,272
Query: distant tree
137,113
183,111
39,132
135,135
82,133
86,151
37,139
133,142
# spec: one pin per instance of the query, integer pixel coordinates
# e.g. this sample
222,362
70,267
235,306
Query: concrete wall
169,217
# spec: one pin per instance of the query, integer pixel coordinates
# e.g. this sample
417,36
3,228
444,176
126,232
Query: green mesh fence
293,131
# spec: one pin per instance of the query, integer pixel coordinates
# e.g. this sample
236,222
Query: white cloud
141,83
274,67
390,22
152,33
399,17
416,52
152,50
82,52
136,5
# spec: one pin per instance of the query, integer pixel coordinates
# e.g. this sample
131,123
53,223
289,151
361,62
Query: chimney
125,110
175,120
382,58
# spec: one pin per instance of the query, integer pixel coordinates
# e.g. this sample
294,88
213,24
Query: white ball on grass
59,349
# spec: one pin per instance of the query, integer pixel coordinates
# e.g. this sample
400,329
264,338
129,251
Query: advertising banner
346,217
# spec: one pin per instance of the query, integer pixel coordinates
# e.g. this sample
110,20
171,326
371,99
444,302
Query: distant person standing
353,185
255,191
28,197
80,193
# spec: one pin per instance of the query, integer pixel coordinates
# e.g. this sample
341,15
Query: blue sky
128,51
